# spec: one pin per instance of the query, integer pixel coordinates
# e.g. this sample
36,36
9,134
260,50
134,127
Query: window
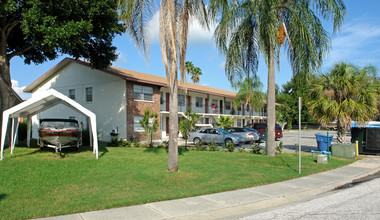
199,102
72,94
247,108
142,93
72,117
228,105
181,100
238,122
161,98
207,121
136,124
89,94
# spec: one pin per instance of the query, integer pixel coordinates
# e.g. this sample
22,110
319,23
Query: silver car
216,135
249,136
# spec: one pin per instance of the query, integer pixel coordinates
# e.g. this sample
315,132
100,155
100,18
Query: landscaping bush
230,147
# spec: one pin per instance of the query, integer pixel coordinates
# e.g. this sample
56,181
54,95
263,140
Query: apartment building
119,98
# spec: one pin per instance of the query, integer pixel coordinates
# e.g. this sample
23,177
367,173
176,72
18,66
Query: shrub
230,147
255,149
115,142
279,147
212,146
86,137
22,131
126,143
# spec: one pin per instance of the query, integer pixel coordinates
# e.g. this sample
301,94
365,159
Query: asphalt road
362,201
308,141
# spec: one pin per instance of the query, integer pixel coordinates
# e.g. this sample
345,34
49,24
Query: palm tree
193,71
344,94
249,27
174,19
225,121
249,93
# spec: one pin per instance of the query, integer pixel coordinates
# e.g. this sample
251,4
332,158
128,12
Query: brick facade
137,108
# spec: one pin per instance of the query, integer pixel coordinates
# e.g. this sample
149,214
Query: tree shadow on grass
288,165
156,150
2,196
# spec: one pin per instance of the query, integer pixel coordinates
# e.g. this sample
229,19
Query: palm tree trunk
341,136
271,114
173,129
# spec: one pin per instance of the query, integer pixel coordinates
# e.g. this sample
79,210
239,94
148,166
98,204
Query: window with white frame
228,105
89,94
181,100
198,102
136,124
72,94
142,93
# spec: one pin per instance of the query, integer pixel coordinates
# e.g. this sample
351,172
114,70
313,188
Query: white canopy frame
35,105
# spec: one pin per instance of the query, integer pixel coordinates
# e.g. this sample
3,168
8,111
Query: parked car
262,127
208,135
258,133
249,136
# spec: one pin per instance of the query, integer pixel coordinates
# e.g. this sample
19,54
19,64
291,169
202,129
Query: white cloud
197,33
19,90
121,59
356,43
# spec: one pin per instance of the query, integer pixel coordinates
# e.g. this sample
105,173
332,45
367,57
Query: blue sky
358,42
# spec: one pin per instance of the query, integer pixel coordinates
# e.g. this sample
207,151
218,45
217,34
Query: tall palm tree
247,28
344,94
193,71
174,17
249,93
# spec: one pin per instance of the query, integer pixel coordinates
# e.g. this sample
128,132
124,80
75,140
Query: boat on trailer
59,133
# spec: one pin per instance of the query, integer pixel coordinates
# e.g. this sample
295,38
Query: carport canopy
38,104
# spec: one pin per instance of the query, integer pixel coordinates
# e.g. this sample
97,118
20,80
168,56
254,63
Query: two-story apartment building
119,98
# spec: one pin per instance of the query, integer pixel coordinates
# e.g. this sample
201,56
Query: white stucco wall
109,98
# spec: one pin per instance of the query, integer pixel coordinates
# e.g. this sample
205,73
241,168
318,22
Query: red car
262,127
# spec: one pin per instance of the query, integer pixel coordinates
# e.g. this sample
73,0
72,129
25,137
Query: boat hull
60,136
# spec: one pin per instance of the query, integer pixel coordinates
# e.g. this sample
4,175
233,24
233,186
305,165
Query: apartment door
221,107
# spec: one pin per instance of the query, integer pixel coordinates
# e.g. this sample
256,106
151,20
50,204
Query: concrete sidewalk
239,203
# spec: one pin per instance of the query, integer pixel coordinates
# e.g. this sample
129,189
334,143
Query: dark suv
262,127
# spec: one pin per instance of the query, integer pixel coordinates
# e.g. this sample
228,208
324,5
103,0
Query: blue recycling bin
322,141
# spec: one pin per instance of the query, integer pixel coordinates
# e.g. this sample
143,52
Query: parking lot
308,141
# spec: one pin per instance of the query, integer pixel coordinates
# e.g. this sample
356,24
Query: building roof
130,75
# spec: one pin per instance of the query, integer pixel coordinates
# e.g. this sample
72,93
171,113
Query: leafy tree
174,17
193,71
249,93
188,124
298,86
39,30
149,123
344,94
225,121
247,28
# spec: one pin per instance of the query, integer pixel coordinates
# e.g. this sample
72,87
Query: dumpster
322,141
343,150
358,134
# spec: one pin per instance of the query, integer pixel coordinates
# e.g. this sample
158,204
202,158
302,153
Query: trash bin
322,141
343,150
358,134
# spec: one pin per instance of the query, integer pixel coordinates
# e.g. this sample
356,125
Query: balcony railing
210,110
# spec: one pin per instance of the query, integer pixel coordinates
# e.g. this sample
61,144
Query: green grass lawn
37,183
